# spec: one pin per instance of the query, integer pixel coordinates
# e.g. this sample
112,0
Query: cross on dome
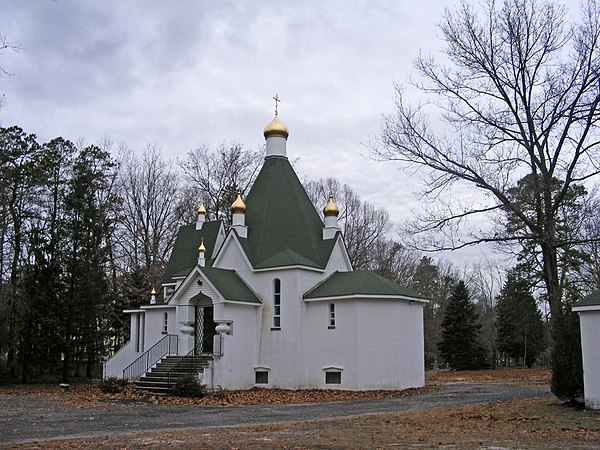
277,101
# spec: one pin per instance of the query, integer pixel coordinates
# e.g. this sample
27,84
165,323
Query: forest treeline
85,232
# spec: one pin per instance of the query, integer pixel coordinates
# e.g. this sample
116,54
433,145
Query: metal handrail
184,366
168,345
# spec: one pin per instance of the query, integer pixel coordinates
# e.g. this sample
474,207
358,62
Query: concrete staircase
157,381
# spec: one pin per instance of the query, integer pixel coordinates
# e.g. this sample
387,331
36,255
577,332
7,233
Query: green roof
230,285
284,229
358,282
591,300
184,256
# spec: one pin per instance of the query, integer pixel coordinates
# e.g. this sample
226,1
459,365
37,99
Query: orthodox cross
277,100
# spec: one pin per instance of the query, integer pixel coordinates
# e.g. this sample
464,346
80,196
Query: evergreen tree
459,346
567,373
435,281
520,325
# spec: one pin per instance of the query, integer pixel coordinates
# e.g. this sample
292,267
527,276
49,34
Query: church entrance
204,330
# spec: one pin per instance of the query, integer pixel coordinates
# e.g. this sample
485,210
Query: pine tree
459,346
567,374
520,325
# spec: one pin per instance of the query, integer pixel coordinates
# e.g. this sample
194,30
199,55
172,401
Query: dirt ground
530,423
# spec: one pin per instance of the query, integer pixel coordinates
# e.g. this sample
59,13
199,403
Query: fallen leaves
91,395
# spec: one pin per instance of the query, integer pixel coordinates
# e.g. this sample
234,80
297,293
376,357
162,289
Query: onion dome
153,291
331,209
238,207
276,128
202,248
201,209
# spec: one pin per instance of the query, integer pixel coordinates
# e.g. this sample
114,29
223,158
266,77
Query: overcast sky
181,74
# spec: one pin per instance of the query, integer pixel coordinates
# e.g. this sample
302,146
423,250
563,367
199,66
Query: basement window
261,377
333,377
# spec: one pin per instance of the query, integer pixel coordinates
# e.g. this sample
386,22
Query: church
273,301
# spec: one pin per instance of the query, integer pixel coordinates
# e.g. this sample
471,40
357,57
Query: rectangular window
276,303
333,377
261,377
165,328
331,315
138,324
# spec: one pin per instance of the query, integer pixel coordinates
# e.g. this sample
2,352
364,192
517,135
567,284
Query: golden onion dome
238,207
202,248
276,128
153,291
201,209
331,209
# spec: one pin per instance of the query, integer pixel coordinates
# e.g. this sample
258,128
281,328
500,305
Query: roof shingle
358,282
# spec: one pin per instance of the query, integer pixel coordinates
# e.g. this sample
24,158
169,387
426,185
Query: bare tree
213,176
362,224
5,44
485,280
520,98
151,210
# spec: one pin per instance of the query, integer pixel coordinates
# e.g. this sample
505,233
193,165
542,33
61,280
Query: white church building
273,301
589,322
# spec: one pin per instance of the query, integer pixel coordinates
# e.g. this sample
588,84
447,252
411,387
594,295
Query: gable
206,285
338,259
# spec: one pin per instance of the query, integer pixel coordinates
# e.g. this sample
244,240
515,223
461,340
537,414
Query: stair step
157,379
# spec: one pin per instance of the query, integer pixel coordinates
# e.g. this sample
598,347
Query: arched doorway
204,325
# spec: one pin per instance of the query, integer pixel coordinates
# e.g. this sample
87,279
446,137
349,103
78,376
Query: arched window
276,303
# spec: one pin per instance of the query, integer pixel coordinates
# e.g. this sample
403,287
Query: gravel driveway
26,419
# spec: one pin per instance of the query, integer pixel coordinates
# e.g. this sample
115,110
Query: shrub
112,385
189,386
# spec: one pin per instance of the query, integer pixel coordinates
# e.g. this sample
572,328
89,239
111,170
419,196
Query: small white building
274,299
589,317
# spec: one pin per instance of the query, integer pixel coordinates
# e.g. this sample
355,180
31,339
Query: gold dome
153,291
276,128
331,209
238,207
202,248
201,209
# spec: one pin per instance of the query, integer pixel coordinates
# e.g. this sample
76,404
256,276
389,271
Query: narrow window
276,303
261,377
165,327
331,315
138,323
333,377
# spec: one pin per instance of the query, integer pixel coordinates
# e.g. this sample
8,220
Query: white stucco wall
130,351
378,344
235,369
115,365
590,338
338,260
154,324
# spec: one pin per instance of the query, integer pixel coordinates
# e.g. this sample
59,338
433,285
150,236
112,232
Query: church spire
201,254
331,213
238,209
201,217
276,133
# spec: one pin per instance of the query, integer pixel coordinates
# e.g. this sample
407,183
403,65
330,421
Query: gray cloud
183,74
